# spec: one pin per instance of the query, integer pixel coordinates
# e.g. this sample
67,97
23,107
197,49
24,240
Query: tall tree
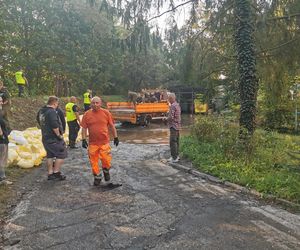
245,48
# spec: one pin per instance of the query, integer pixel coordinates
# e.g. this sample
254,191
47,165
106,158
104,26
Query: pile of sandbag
25,148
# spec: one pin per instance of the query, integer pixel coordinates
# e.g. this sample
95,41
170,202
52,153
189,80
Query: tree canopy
249,46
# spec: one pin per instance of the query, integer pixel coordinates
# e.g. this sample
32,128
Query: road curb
240,188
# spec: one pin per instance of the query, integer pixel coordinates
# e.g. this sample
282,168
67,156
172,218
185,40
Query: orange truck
140,113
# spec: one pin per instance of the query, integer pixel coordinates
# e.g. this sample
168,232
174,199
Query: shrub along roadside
266,163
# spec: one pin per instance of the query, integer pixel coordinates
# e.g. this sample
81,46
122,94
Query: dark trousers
4,112
73,132
86,107
174,142
21,90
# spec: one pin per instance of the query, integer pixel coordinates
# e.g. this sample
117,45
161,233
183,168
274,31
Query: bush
276,119
263,162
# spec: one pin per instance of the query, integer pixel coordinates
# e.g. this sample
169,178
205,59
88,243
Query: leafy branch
170,10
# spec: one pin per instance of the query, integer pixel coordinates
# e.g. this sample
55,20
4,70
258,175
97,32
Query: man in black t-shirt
62,118
52,138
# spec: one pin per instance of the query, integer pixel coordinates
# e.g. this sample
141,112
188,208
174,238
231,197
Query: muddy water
156,133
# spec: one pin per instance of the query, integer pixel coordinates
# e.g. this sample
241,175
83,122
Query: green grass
265,163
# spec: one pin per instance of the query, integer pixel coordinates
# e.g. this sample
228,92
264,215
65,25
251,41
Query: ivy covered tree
245,49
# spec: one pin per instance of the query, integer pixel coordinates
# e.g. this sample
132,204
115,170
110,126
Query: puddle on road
155,133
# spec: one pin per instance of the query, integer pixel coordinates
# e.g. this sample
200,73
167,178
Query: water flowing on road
156,133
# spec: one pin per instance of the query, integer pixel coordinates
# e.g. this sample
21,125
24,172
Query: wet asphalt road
158,207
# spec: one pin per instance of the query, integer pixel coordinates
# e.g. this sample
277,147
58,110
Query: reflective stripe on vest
70,114
19,77
86,99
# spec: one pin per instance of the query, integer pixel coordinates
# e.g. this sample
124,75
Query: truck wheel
147,120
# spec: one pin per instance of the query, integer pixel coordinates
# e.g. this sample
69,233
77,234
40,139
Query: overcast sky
181,15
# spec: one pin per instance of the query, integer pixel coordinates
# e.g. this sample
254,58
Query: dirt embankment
23,111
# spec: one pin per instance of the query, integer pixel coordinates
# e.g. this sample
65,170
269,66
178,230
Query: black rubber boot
97,180
59,176
106,174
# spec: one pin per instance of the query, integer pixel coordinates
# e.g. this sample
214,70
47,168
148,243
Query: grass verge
268,162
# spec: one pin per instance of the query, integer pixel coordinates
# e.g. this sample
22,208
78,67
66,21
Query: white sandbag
13,156
12,145
18,137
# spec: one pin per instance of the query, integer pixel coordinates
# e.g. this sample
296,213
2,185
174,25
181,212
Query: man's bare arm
77,117
56,132
113,130
83,133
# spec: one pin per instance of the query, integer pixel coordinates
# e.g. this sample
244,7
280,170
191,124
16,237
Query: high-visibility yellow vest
86,98
70,114
19,78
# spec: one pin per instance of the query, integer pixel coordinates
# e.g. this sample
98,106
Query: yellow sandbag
23,148
43,153
25,155
13,156
32,133
35,148
29,136
24,163
38,161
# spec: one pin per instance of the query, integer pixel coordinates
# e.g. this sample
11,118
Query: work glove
85,143
116,141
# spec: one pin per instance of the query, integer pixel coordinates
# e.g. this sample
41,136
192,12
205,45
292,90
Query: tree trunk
245,48
58,85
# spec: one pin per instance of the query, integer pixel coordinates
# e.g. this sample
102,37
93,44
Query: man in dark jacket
4,94
52,138
3,147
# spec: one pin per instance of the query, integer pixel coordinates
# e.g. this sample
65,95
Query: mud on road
158,207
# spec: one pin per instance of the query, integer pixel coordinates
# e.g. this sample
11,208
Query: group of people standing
150,96
96,122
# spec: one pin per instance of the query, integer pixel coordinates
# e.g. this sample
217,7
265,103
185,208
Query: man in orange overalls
97,121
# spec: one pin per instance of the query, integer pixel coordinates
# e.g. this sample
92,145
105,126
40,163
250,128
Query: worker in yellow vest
73,121
87,96
21,81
